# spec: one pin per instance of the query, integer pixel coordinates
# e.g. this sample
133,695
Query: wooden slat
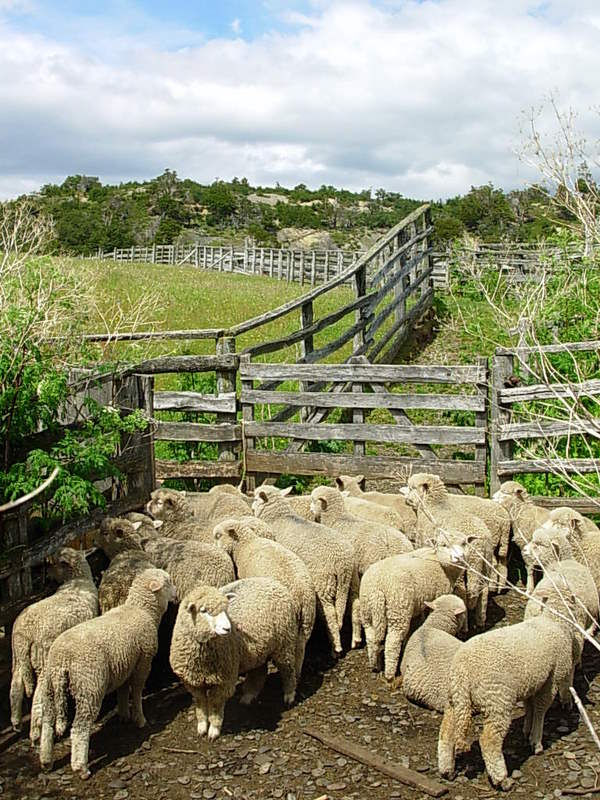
197,469
561,347
388,266
582,504
193,401
361,373
323,352
208,333
570,466
417,311
196,432
161,364
544,391
398,299
542,430
422,434
452,472
448,402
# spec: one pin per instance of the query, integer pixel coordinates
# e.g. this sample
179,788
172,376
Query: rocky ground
263,752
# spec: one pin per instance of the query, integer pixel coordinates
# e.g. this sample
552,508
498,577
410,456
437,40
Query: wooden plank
502,368
193,401
582,504
422,434
544,391
570,466
161,364
196,432
226,385
402,774
328,464
391,400
336,344
561,347
372,373
197,469
208,333
543,430
388,265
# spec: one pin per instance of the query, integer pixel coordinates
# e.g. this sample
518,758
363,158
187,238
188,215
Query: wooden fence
312,267
533,421
25,548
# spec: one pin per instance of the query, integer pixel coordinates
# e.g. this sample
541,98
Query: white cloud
419,97
236,26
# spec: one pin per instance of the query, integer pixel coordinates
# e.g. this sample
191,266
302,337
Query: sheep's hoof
46,766
141,722
506,785
289,698
84,774
202,728
537,748
213,733
16,726
447,774
355,643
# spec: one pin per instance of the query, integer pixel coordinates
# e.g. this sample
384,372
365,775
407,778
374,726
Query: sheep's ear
183,493
263,496
339,483
136,525
360,478
157,523
230,595
169,501
191,608
156,584
322,501
285,492
424,488
429,605
472,537
233,532
458,612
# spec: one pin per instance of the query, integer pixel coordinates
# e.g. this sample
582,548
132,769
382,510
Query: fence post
481,421
226,379
306,348
360,289
426,260
248,416
313,268
403,283
502,368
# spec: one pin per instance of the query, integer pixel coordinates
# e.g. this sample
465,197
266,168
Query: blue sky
422,97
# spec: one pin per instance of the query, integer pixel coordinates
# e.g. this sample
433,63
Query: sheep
525,517
394,591
227,488
408,519
149,526
188,563
371,542
530,661
108,653
429,652
255,557
563,576
328,557
582,535
182,519
116,537
435,512
220,634
299,503
375,513
38,625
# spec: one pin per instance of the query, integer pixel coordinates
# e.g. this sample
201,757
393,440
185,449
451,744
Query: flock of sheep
250,575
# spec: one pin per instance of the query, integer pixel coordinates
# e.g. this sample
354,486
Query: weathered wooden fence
310,267
25,547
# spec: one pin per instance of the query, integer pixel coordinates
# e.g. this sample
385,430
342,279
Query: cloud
422,98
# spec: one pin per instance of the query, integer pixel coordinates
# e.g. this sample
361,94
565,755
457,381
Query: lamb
188,563
564,577
108,653
328,557
149,526
38,625
223,633
183,518
408,519
429,652
375,513
582,535
395,590
435,513
227,488
116,538
370,541
255,557
530,661
299,503
525,517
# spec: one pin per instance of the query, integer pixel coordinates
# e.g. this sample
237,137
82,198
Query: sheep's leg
137,683
328,610
460,590
253,685
374,648
300,650
481,607
86,711
355,611
123,703
47,742
201,699
287,670
541,702
446,748
17,693
528,717
35,726
393,646
216,697
491,741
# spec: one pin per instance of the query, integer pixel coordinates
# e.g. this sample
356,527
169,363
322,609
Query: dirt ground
263,752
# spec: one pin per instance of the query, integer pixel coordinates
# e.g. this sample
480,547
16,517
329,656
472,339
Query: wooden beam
562,347
544,391
543,430
196,432
570,466
197,469
193,401
208,333
161,364
391,400
371,373
421,434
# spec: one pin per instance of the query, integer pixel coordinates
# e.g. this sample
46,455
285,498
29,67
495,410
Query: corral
469,410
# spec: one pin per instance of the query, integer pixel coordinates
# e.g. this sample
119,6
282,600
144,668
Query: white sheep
328,557
371,541
583,536
256,557
407,517
108,653
38,625
525,518
528,662
222,634
193,516
376,513
437,512
394,591
425,665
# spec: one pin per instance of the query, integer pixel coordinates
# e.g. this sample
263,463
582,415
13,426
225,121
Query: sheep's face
450,603
208,613
350,483
226,534
544,548
166,504
424,487
451,547
117,534
65,563
510,492
566,520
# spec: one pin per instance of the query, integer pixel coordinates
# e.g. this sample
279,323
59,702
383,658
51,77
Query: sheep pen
263,751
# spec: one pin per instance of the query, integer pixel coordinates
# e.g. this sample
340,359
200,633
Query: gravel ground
263,752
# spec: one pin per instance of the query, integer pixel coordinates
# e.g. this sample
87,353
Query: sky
425,98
